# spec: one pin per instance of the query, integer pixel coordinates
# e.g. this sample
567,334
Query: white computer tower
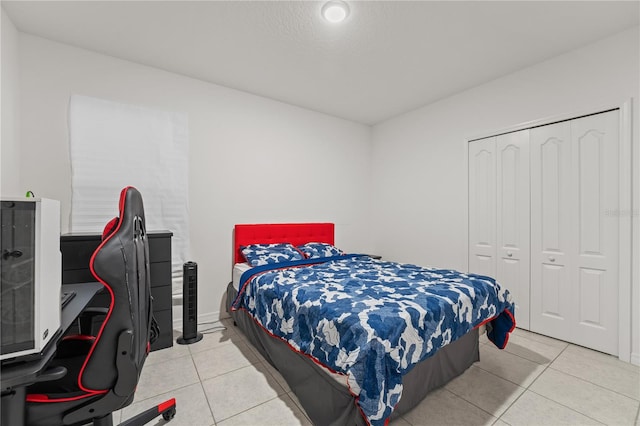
30,272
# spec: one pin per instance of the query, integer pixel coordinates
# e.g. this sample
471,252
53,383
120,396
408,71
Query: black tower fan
190,306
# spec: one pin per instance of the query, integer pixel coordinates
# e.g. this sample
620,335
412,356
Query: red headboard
294,233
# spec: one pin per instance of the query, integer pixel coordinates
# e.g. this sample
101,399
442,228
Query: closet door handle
509,254
552,259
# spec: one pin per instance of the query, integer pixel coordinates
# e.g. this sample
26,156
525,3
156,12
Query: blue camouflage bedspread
372,320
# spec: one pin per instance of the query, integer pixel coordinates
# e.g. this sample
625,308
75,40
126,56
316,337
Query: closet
543,222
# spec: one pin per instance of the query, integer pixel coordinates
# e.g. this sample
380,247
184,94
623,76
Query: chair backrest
121,264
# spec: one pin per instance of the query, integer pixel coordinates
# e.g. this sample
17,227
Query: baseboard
635,358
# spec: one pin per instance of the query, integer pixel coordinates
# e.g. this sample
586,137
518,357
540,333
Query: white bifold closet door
512,217
499,214
482,207
574,230
543,221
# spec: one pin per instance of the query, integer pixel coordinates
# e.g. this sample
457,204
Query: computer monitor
30,275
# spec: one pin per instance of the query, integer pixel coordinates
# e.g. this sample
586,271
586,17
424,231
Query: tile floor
536,380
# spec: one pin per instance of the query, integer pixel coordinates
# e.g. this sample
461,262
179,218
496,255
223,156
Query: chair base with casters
97,409
167,409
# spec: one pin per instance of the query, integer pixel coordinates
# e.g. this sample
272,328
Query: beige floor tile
117,415
240,390
192,407
279,411
608,360
223,359
165,376
550,341
601,369
486,390
276,375
442,407
591,400
500,423
532,409
173,352
540,352
482,337
214,339
237,337
509,366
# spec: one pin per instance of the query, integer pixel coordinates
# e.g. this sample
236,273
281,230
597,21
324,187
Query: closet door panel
551,294
482,199
595,140
512,214
551,237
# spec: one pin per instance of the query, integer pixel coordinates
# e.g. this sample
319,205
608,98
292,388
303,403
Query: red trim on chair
166,405
78,337
123,195
110,227
37,397
294,233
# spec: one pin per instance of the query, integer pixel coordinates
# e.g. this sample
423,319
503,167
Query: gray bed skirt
329,403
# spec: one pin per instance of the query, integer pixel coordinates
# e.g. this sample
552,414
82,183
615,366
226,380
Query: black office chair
103,369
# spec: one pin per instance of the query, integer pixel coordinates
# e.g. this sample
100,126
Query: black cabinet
77,250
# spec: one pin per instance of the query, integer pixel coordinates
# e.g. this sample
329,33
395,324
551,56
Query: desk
15,377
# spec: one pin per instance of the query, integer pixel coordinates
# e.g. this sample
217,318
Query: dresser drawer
76,253
161,297
159,247
160,274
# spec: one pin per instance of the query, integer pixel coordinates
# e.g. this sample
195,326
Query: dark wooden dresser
77,249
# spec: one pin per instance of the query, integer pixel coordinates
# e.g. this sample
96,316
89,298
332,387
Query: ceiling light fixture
335,11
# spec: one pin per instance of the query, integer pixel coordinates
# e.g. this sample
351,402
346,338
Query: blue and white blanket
371,320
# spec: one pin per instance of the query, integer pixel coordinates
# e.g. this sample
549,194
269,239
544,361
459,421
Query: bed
418,326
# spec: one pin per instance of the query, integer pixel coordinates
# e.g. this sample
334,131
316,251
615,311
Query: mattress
238,270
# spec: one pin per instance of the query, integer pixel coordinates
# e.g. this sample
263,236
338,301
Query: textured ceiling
387,58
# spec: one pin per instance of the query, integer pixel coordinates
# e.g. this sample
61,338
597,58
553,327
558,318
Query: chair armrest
127,371
53,373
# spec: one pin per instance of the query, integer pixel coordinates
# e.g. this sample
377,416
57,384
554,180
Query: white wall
251,159
10,84
413,177
419,158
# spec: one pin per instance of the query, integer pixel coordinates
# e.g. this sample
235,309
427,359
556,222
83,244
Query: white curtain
115,145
